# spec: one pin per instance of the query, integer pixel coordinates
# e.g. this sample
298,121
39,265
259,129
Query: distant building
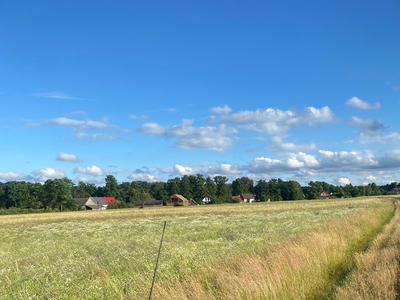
243,198
94,203
395,191
179,200
326,195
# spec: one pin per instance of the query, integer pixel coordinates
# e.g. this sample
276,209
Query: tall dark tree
57,194
222,189
174,186
186,188
111,188
199,188
242,185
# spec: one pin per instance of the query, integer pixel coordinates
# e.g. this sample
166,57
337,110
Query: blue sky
150,90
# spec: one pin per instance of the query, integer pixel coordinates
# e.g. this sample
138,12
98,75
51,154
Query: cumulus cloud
67,157
371,178
343,181
358,103
144,177
181,170
49,173
152,129
11,176
348,160
87,180
292,162
278,122
91,170
221,110
373,131
217,138
222,169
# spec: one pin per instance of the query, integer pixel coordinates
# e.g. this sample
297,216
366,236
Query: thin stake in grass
158,257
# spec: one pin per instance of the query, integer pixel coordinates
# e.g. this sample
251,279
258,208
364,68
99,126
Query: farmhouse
243,198
326,195
179,200
94,203
395,191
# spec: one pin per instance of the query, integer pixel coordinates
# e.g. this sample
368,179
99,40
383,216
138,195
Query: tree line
59,194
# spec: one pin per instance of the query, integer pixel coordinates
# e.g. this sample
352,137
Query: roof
247,196
100,200
81,201
180,197
109,199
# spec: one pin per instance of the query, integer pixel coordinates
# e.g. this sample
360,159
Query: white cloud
343,181
11,176
91,170
67,157
278,122
221,110
181,170
279,144
294,161
49,173
72,123
152,129
136,117
358,103
56,95
104,136
372,131
222,169
187,136
348,160
371,178
87,180
301,160
144,177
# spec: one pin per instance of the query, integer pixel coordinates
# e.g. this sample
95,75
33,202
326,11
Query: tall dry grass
309,266
266,250
377,270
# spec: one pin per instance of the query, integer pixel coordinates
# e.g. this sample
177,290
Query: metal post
158,257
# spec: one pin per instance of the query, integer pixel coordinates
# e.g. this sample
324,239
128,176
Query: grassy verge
377,270
266,250
307,266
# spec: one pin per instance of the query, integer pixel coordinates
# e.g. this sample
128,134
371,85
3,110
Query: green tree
242,185
222,192
111,188
173,186
186,187
57,194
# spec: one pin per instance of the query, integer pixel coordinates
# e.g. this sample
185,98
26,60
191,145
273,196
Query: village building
243,198
179,200
94,203
326,195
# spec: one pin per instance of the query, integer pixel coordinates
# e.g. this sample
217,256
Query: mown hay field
284,250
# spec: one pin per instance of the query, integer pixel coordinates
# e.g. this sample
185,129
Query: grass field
284,250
